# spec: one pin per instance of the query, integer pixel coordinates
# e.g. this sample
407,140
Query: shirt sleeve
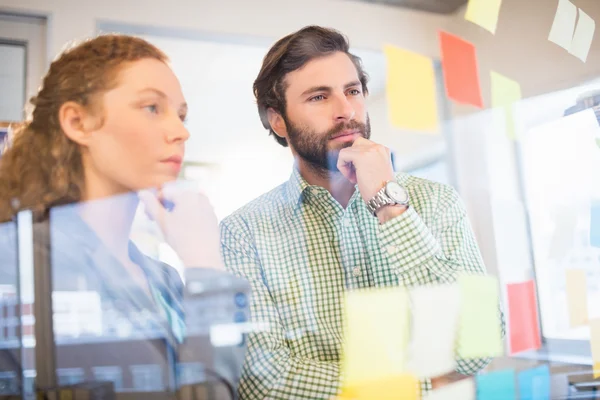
270,370
446,247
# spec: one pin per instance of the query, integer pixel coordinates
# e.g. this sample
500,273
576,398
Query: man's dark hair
290,54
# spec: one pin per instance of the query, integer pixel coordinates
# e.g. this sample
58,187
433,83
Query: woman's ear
76,122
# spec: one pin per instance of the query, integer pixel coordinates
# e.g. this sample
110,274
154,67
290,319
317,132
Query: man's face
325,110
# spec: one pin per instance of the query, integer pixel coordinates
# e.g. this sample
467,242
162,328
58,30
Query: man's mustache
352,125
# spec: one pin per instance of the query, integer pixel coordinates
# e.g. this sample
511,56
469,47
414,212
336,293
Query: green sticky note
479,333
505,93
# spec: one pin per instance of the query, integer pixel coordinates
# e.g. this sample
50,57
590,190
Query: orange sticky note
405,387
411,90
523,317
577,297
461,73
595,345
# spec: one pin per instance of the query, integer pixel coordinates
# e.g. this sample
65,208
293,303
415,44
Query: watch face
396,192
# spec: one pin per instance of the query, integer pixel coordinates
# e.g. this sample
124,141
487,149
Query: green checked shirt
301,250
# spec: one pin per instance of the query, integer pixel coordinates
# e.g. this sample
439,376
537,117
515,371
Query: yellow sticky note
595,345
484,13
411,90
577,301
505,93
479,333
376,335
405,387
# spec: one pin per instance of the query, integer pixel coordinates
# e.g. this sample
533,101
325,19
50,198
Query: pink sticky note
523,317
461,73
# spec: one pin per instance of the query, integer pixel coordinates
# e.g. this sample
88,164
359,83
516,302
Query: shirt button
391,250
347,223
356,272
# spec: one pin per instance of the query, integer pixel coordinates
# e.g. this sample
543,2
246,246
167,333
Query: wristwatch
392,193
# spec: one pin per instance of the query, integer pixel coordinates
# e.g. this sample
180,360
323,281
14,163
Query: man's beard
313,147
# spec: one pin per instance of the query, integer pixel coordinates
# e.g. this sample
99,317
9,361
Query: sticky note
576,282
411,90
583,37
563,26
564,230
461,73
405,387
534,384
434,328
595,345
376,335
479,333
484,13
463,390
499,385
523,317
505,93
595,224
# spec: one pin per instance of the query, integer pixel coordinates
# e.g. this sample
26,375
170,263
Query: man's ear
277,123
76,122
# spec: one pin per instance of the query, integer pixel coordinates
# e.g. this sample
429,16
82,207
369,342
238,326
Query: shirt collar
295,188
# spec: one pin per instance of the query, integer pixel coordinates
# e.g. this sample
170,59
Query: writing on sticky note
563,26
523,317
463,390
479,333
595,224
505,93
595,345
405,387
583,37
461,71
411,90
496,385
577,300
484,13
534,384
376,335
434,323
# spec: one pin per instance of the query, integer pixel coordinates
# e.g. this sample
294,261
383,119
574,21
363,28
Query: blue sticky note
534,384
499,385
595,224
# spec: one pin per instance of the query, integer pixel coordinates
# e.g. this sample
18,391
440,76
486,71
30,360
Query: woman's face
141,141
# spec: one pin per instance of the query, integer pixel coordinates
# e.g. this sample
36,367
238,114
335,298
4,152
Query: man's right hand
190,227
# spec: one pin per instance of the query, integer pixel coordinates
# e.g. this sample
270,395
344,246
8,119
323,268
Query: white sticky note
563,26
463,390
565,222
595,345
435,321
583,37
577,299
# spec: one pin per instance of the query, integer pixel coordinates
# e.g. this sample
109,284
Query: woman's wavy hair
40,166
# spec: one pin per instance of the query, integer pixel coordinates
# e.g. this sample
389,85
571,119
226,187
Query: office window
70,376
109,373
147,377
190,373
9,383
